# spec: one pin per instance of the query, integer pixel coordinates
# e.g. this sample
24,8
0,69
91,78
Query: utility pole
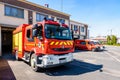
111,32
61,5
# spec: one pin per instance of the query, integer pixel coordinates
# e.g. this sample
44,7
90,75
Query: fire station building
16,12
80,30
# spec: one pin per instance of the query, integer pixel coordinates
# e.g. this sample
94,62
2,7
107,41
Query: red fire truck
45,44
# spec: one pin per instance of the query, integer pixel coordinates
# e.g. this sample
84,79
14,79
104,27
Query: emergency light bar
48,19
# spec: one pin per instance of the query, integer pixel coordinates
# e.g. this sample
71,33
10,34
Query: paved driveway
87,65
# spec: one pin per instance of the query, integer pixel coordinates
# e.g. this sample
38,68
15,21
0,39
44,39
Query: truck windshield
57,32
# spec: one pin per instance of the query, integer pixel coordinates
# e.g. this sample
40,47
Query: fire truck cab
45,44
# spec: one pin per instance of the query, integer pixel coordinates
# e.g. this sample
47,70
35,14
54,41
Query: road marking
113,57
111,72
116,52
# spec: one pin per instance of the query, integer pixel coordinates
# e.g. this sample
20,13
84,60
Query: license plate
101,47
62,61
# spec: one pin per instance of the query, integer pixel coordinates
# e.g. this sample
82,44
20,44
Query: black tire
16,56
76,48
33,63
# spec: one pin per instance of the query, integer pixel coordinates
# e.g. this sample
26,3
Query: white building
118,41
80,30
17,12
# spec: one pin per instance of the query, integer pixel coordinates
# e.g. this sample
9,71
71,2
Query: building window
40,17
82,29
53,18
75,28
14,12
61,20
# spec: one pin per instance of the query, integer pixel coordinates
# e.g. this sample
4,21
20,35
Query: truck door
29,40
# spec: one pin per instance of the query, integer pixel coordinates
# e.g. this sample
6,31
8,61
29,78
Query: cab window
29,35
83,43
37,31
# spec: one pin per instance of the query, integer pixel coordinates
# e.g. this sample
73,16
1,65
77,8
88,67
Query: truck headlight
48,57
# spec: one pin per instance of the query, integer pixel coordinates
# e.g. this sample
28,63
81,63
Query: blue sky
102,16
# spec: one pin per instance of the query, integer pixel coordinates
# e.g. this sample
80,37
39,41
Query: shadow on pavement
6,72
76,51
8,56
75,68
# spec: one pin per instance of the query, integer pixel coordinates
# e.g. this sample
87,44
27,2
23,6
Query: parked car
96,42
86,45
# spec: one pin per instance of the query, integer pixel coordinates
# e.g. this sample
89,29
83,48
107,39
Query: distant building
118,41
80,30
102,39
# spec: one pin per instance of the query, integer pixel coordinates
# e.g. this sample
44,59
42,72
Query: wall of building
49,16
30,10
34,8
83,33
0,43
34,17
76,33
79,33
12,20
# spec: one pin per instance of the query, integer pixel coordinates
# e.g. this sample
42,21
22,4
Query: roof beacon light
48,19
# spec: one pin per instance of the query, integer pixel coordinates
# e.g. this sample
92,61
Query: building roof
8,25
78,22
37,5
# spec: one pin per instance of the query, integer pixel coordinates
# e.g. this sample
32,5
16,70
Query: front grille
60,49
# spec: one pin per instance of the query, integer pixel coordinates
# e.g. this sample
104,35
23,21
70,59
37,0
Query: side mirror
34,33
40,37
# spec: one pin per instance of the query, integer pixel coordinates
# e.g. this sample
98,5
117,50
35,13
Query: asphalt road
87,65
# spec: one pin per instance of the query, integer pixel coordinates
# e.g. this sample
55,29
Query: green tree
114,39
108,40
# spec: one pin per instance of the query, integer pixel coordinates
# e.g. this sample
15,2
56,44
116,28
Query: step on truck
45,44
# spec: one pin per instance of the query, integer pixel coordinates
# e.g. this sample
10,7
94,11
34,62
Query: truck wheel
16,56
33,63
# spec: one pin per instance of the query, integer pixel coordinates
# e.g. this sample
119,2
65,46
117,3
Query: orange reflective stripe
30,44
65,43
71,42
43,46
68,43
56,43
61,43
52,43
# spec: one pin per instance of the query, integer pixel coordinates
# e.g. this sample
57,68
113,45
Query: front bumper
54,60
102,48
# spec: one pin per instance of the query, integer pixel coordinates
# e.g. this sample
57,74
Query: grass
113,44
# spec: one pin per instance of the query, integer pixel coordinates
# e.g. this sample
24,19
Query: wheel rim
33,62
16,55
